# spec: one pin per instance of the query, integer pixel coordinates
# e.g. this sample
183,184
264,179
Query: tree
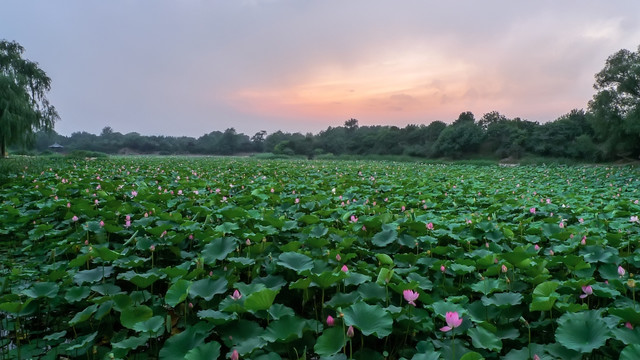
491,118
24,108
258,140
458,139
464,118
616,105
351,124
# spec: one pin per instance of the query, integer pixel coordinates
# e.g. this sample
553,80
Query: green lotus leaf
355,278
582,332
244,336
216,317
488,286
384,237
177,346
93,275
105,253
152,325
42,289
103,310
286,329
309,219
626,314
208,288
83,315
77,293
295,261
106,289
471,356
631,352
218,249
177,292
227,228
370,319
82,342
143,280
204,351
331,341
544,296
260,300
131,342
627,336
327,278
55,336
484,339
277,311
132,315
503,299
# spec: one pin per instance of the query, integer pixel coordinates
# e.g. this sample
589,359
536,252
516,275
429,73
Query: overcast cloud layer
191,67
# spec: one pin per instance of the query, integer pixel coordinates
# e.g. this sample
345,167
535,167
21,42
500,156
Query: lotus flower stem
322,305
453,345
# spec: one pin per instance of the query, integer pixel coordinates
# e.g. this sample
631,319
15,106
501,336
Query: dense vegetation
205,258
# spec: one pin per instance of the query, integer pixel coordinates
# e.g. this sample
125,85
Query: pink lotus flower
587,290
235,355
350,331
134,193
101,223
344,268
561,225
581,220
621,271
330,321
354,218
634,219
453,321
584,240
532,210
152,248
537,247
411,296
504,268
338,257
628,325
74,218
236,295
297,201
430,226
442,268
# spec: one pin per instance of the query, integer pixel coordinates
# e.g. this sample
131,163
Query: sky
190,67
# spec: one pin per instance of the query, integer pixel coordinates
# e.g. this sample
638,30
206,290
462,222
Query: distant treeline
493,135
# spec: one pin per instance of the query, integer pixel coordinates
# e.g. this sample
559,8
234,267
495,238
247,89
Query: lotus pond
210,258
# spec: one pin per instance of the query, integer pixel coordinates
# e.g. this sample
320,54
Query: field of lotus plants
231,258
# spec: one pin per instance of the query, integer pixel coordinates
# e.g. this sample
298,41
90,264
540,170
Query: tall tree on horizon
616,105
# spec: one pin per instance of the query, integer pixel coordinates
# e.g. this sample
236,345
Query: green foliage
616,105
177,258
24,108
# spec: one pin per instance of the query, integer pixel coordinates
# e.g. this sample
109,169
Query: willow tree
24,108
